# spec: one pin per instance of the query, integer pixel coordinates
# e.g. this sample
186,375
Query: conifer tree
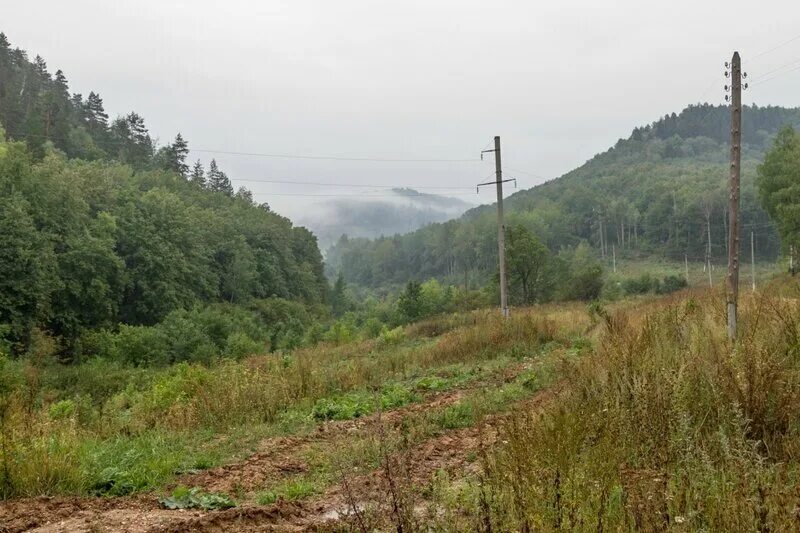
198,174
217,180
181,149
96,114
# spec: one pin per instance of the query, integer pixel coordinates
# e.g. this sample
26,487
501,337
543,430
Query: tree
582,274
779,187
132,141
217,180
410,304
95,113
179,150
172,157
26,273
340,302
527,260
198,174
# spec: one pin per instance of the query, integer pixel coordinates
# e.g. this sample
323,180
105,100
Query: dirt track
276,459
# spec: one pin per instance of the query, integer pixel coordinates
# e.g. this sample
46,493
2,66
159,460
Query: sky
435,79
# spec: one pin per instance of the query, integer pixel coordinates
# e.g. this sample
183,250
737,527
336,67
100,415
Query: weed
186,498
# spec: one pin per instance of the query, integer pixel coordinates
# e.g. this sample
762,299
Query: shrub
239,345
391,336
671,284
641,285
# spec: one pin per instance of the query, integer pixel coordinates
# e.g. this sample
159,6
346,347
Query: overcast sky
558,81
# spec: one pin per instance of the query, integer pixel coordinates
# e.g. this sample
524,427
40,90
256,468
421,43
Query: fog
559,81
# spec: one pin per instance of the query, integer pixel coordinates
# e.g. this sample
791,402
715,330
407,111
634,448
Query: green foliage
671,284
123,236
646,283
779,186
356,405
186,498
410,303
527,263
649,195
641,285
391,336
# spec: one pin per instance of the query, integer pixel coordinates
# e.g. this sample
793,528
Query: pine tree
181,150
40,67
198,175
97,116
217,180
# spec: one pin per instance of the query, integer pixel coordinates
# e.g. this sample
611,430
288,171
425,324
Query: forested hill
100,227
658,192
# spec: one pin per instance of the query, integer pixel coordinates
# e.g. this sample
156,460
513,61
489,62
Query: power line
765,52
760,81
117,142
337,158
323,184
760,76
537,176
357,195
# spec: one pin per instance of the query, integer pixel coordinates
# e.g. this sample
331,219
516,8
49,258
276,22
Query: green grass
290,490
76,434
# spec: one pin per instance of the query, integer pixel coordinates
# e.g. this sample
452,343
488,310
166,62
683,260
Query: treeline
88,245
656,193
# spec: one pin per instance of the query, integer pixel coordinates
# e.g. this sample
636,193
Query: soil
277,458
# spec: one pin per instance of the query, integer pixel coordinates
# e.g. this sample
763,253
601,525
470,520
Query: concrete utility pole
501,225
753,259
732,281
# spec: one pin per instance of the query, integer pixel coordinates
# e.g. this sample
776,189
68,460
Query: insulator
726,64
726,87
746,86
744,74
727,97
727,73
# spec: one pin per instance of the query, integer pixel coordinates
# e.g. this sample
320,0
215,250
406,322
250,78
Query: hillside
112,246
658,193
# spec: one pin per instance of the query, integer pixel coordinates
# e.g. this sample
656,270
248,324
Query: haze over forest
559,83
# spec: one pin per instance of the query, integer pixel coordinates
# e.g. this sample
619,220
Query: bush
641,285
391,336
239,345
671,284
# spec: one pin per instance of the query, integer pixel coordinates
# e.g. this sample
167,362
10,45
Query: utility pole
732,280
501,225
753,259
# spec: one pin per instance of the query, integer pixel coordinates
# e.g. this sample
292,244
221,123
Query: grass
136,432
666,426
331,461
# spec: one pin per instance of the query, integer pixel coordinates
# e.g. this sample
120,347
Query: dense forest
101,227
661,192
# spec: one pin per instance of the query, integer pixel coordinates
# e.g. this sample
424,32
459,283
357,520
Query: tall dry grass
667,425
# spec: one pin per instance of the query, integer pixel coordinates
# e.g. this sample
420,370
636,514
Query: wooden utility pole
732,282
753,259
501,225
